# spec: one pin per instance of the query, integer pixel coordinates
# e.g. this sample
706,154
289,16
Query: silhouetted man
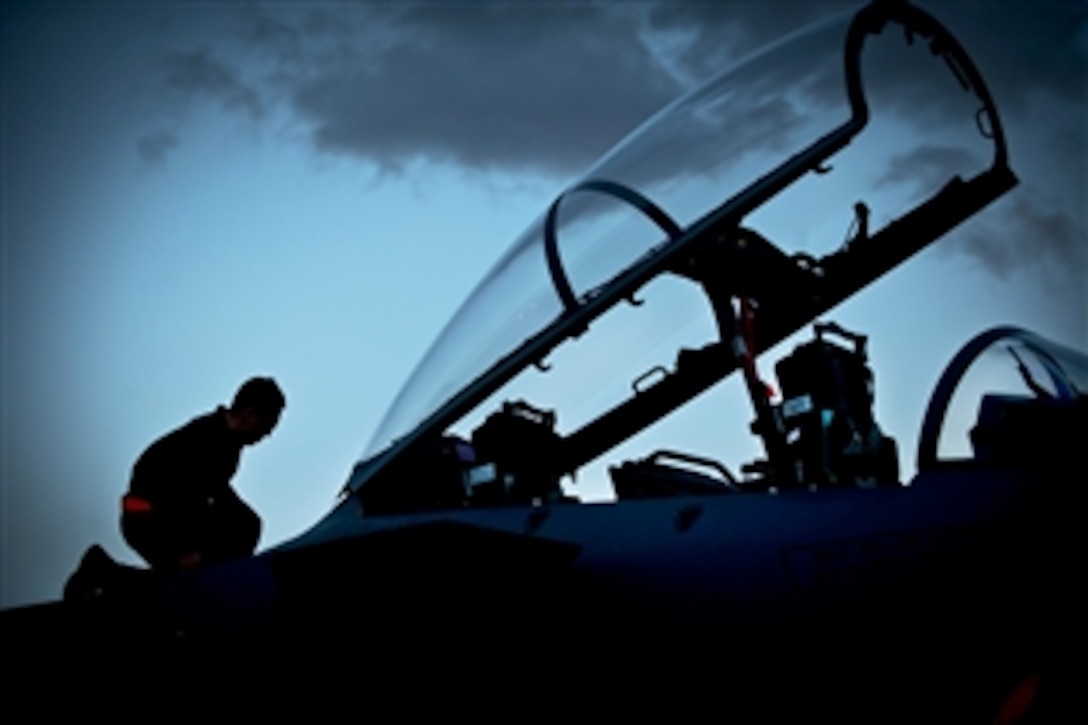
180,510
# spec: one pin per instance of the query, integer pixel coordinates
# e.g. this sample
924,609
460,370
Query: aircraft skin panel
754,557
725,563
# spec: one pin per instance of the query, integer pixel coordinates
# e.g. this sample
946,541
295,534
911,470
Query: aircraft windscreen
703,149
1003,363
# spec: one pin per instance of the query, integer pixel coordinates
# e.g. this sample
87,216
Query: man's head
256,409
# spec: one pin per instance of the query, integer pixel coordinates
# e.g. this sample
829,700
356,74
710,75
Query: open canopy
760,184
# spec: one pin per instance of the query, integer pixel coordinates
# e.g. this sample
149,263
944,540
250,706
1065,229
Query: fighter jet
463,519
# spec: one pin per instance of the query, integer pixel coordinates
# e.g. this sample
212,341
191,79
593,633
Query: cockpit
1009,397
736,216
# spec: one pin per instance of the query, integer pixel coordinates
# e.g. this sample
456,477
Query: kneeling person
180,510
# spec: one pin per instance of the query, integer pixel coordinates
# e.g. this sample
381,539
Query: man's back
189,464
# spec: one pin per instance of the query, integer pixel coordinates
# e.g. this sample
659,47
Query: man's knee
236,531
245,531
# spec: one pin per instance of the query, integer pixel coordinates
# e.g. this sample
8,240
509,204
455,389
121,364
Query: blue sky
193,195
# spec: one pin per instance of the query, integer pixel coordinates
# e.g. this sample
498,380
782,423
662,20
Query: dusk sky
195,194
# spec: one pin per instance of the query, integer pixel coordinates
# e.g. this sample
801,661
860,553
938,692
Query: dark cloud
544,87
927,168
154,147
1026,48
198,72
721,33
1026,51
550,86
711,145
1023,233
262,29
1034,58
1031,47
1031,236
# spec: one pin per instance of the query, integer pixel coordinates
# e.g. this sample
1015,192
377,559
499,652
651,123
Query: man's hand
189,561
